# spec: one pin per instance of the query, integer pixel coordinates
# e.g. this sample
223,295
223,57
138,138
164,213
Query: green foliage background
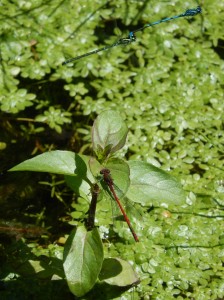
168,85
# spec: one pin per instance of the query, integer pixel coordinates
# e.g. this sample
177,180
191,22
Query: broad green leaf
109,134
83,258
151,185
116,271
58,162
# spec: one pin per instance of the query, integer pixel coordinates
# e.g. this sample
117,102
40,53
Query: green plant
168,86
141,182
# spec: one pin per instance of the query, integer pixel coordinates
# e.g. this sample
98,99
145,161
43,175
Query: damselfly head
192,12
105,171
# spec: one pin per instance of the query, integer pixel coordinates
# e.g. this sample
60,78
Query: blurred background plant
168,85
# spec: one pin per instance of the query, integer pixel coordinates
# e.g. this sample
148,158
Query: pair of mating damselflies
131,36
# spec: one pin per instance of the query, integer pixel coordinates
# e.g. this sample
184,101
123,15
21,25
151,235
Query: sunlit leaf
83,258
151,185
109,133
58,162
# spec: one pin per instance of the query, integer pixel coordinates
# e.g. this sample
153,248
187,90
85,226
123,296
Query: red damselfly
109,182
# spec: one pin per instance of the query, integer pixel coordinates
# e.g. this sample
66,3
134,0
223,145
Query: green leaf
58,162
83,258
116,271
120,174
17,101
55,118
109,133
150,185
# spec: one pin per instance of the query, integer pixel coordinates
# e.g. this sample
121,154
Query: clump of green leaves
144,183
